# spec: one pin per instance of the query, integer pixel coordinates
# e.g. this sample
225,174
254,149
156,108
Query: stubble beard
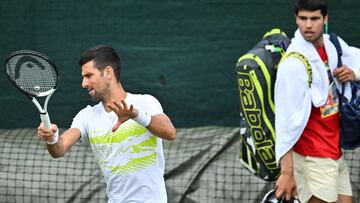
100,95
97,97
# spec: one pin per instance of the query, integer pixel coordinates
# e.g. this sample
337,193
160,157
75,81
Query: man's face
94,81
311,26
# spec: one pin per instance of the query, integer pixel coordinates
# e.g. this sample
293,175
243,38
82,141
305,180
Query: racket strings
32,74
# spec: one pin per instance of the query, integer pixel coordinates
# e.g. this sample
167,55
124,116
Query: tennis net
202,165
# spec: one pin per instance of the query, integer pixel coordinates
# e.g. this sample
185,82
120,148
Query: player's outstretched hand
123,111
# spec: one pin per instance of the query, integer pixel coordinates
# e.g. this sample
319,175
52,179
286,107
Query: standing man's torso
131,158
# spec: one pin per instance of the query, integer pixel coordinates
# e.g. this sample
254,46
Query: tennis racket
36,75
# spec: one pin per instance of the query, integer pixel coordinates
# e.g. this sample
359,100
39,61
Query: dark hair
103,56
311,5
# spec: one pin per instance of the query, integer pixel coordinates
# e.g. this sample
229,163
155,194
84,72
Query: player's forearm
57,150
66,140
161,126
286,163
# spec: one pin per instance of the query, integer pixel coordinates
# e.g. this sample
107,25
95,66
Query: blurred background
182,52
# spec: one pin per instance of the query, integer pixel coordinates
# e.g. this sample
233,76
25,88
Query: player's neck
319,42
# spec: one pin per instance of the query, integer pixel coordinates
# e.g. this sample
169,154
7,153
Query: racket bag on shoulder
255,74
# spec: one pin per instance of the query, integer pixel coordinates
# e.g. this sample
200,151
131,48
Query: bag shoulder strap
303,59
334,39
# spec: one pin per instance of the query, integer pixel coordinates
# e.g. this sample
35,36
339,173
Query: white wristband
55,139
143,118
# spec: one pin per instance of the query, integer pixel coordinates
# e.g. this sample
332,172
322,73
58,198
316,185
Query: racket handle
45,119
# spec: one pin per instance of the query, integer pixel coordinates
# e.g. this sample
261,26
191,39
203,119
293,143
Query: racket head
32,72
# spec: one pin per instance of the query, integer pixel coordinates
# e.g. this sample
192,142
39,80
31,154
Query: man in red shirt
307,117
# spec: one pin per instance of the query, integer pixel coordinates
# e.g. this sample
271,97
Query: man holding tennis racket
124,130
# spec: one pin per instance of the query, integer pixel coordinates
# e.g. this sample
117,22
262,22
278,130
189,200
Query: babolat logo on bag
256,73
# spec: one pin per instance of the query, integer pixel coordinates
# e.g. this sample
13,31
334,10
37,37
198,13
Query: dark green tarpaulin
182,52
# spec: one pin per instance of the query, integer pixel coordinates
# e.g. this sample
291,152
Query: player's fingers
113,108
53,128
49,136
43,130
124,104
350,74
340,78
336,72
295,194
344,74
288,195
339,71
41,137
118,105
45,136
116,126
345,78
279,193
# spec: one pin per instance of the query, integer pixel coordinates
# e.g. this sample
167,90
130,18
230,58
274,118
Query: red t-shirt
321,136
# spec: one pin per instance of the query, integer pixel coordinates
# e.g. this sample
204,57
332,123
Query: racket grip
45,119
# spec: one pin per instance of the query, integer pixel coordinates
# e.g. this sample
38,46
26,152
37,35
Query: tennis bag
349,110
255,74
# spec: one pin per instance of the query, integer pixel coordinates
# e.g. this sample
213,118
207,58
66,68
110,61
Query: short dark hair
103,56
311,5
